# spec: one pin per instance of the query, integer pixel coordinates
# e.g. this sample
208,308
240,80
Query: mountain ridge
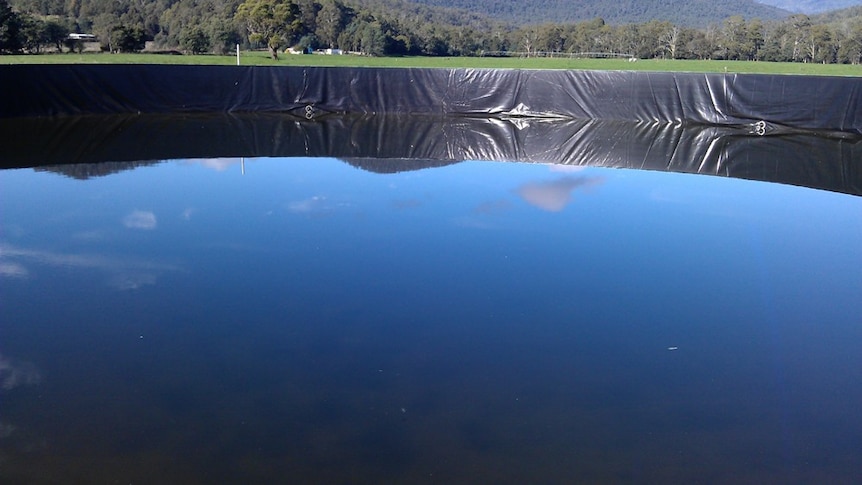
689,13
811,6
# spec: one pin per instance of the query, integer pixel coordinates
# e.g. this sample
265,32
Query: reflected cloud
560,168
140,220
310,204
217,164
57,259
553,196
406,204
493,207
124,274
89,236
132,281
17,373
318,204
13,270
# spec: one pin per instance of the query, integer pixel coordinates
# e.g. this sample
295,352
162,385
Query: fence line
562,55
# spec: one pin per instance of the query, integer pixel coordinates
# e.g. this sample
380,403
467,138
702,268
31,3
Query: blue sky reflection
484,321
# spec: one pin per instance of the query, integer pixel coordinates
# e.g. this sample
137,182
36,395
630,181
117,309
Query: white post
237,54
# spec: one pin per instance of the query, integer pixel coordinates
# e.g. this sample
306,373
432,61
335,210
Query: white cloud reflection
122,273
17,373
553,196
311,204
145,220
217,164
13,270
560,168
317,205
132,280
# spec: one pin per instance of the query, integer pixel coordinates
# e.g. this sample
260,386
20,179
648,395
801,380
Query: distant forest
397,27
685,13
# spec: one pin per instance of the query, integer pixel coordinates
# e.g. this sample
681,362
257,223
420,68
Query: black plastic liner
766,103
399,143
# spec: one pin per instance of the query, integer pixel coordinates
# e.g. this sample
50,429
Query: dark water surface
311,322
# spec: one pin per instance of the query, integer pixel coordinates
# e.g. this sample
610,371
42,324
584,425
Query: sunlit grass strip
262,59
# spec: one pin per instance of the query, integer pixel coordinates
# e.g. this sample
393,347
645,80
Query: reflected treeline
395,165
387,144
84,171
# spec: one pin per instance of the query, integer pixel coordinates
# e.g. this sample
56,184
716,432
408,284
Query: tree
308,14
223,35
800,27
698,46
464,42
103,26
626,40
740,40
10,29
37,33
496,41
372,40
776,44
549,38
331,20
652,33
127,38
55,33
31,33
819,46
528,39
850,48
756,39
273,22
589,36
308,43
670,40
732,38
431,40
195,40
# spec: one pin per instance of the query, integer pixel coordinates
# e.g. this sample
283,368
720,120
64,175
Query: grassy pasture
261,59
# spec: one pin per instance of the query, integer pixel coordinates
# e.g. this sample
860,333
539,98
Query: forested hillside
397,27
838,16
687,13
811,6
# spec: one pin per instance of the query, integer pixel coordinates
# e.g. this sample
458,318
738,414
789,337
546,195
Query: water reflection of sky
476,323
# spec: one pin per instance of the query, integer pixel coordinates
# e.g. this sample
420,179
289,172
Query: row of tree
795,39
394,27
28,32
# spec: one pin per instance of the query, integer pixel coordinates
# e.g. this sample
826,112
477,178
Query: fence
559,55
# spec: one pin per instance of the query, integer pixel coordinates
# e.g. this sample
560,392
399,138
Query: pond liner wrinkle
798,102
409,142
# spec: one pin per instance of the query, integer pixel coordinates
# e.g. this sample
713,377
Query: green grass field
261,59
